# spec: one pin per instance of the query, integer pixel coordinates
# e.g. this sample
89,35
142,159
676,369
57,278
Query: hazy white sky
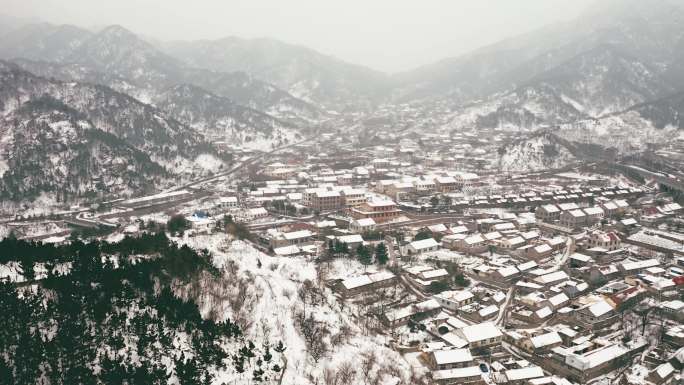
388,35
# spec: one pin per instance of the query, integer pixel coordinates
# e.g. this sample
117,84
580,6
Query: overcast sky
387,35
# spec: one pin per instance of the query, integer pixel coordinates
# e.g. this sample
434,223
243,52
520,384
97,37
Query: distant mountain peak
117,30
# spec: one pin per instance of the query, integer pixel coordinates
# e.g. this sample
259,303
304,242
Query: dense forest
114,318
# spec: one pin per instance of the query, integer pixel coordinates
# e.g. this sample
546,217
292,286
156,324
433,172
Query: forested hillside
106,313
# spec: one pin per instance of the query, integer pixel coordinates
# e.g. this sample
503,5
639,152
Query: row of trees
365,254
287,208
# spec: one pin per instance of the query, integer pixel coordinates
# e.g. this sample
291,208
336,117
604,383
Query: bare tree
330,376
368,361
318,349
346,373
314,333
305,292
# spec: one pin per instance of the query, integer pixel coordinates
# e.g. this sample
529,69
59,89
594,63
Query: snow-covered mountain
651,32
116,57
303,72
143,136
211,114
217,117
610,80
49,148
664,112
42,40
595,83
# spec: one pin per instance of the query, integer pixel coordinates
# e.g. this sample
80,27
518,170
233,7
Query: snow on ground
209,162
4,166
638,374
271,303
36,229
533,154
45,203
341,268
12,272
266,142
625,132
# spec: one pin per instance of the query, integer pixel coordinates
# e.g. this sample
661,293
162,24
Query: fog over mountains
619,63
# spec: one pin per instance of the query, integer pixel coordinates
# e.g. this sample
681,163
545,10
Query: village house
521,376
480,336
466,181
420,247
663,374
596,316
579,260
471,375
424,185
401,316
450,359
446,184
201,224
509,244
615,207
353,197
573,289
351,240
251,214
594,214
227,203
609,209
548,213
552,278
506,274
542,343
379,210
557,301
556,243
628,225
433,275
365,283
362,225
320,199
440,229
673,310
400,190
539,252
454,300
573,219
584,366
568,206
296,238
632,267
605,240
600,274
472,244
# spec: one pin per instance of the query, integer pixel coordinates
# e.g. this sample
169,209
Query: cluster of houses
571,216
543,305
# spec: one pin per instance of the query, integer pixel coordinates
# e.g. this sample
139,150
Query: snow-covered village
180,210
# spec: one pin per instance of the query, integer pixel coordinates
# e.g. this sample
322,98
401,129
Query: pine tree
28,268
381,254
364,255
344,248
280,348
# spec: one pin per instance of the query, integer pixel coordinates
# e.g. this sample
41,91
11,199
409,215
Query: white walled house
421,246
